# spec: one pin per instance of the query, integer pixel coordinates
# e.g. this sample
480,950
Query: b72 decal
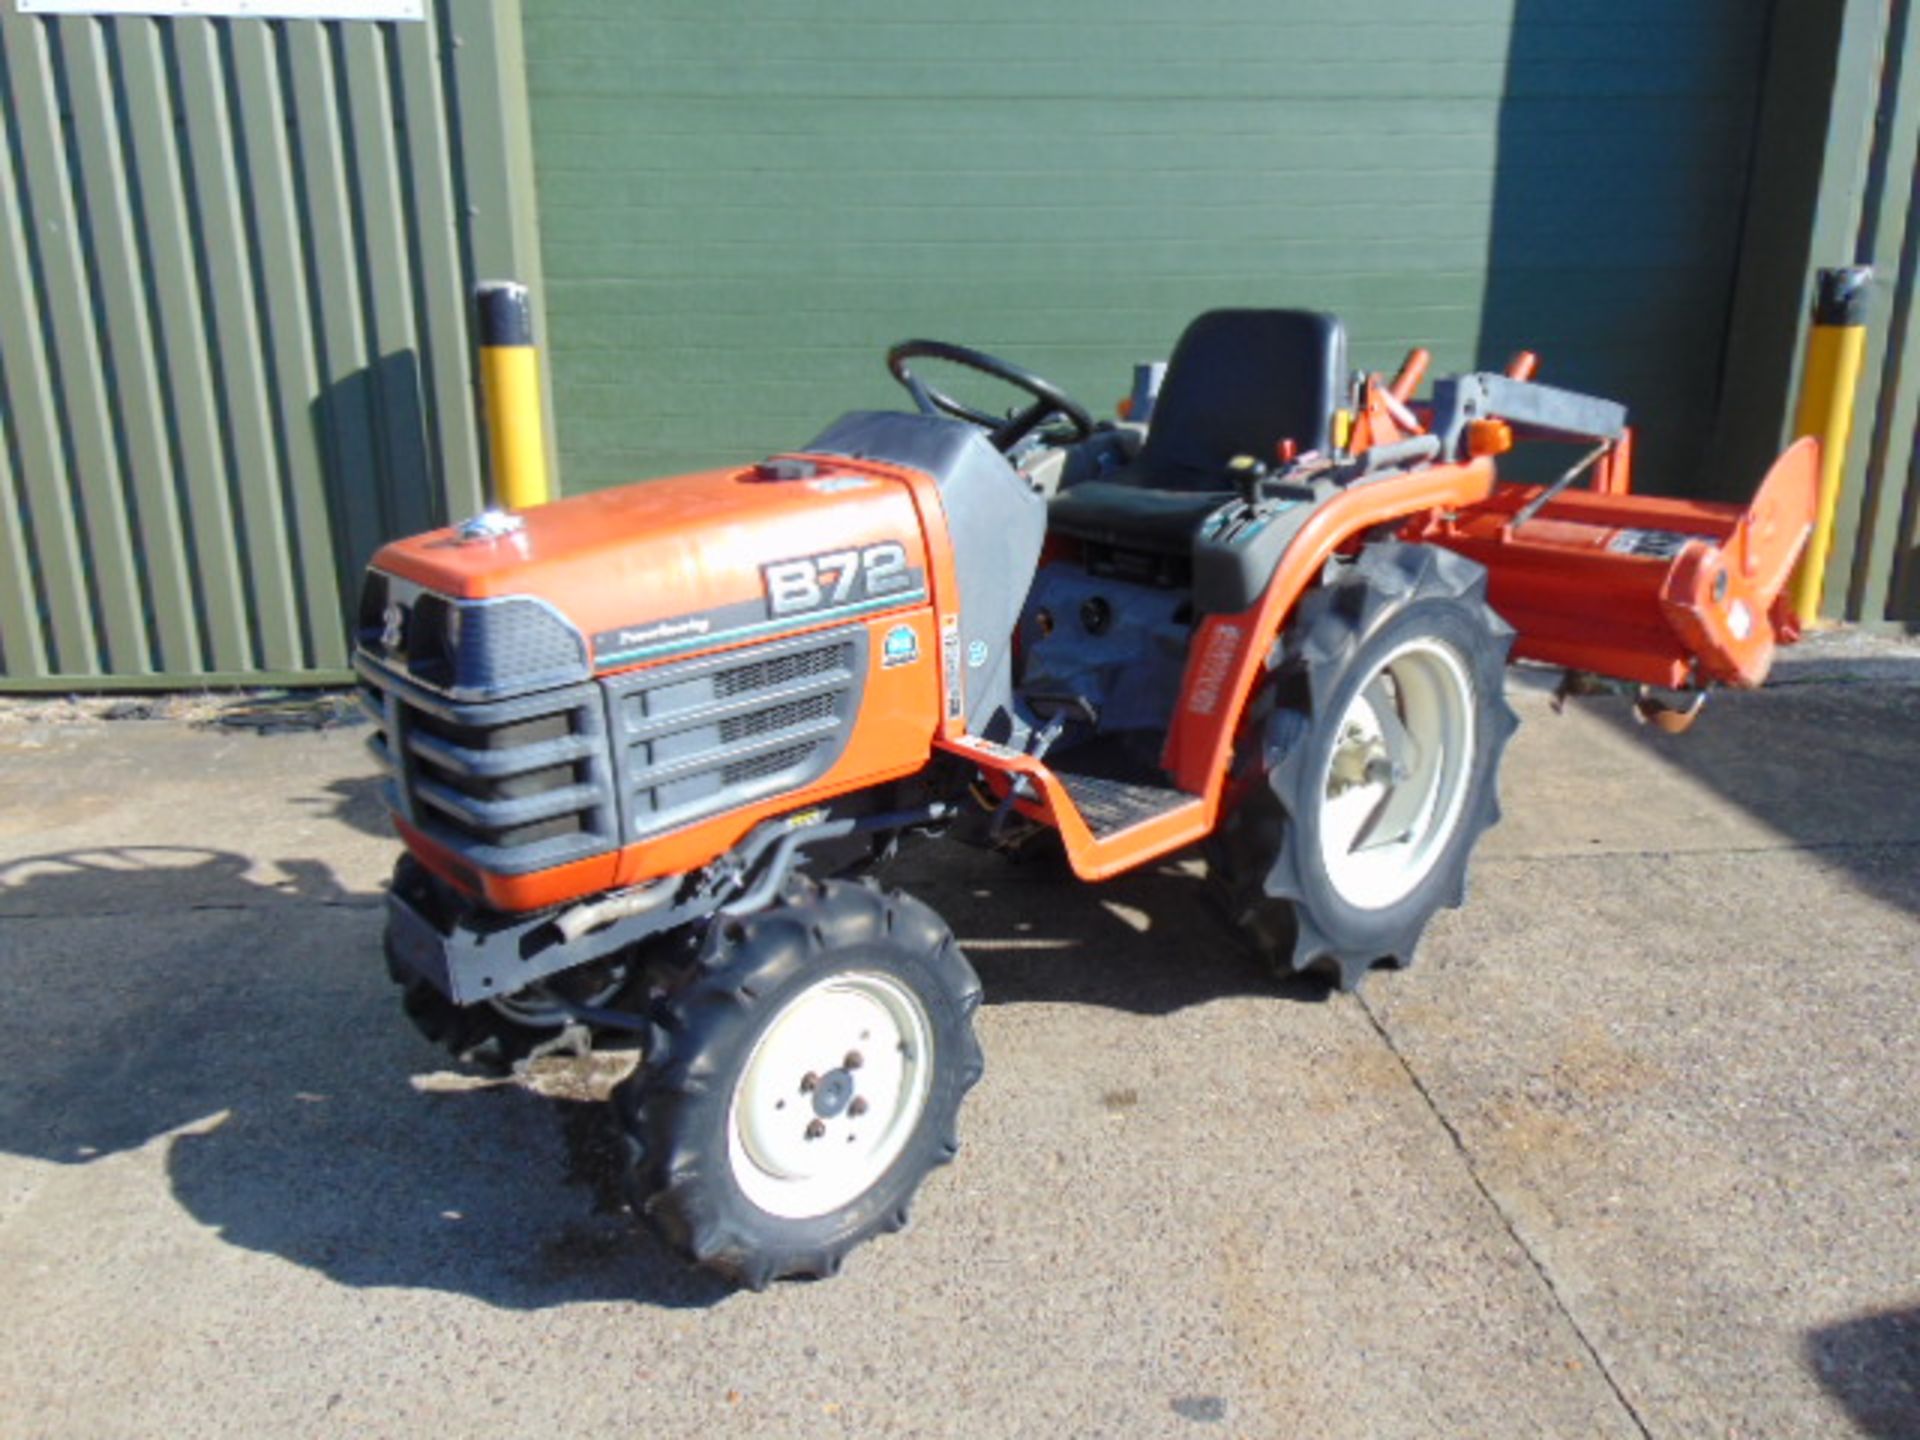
838,578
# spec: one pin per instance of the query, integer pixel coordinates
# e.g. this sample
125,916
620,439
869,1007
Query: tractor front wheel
799,1087
1367,766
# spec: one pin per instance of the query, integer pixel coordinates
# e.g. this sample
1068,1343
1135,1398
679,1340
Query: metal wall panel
234,355
1874,575
736,228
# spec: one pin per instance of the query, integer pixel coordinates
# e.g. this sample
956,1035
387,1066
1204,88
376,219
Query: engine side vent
740,772
783,670
778,717
702,736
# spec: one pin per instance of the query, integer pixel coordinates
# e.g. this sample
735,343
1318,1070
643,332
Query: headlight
468,649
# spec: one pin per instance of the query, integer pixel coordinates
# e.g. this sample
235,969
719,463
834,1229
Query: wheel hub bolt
853,1061
815,1129
858,1107
809,1082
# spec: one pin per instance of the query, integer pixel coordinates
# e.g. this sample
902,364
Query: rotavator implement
1271,622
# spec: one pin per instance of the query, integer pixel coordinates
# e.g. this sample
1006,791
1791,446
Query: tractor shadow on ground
229,1013
359,802
242,1028
1871,1365
1147,943
1832,768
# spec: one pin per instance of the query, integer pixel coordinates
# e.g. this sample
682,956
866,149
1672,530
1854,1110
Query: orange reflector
1489,437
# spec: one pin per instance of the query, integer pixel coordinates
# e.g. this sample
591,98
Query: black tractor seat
1112,512
1238,383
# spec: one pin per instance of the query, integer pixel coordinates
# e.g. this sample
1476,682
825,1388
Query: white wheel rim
830,1095
1385,821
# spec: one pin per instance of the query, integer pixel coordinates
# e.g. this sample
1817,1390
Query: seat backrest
1241,381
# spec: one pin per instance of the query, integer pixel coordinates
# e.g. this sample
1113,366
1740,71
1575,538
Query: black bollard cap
1840,295
506,313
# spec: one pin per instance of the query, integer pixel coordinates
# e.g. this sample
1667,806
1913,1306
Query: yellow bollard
1834,350
510,387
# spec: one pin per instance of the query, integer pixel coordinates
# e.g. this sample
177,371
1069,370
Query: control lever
1056,708
1249,473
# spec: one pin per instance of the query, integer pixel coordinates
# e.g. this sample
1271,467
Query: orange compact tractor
1271,621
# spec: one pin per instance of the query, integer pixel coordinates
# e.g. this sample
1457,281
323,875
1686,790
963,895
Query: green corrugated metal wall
234,262
233,353
744,201
1873,193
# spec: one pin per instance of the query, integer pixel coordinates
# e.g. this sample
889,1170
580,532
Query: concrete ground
1630,1152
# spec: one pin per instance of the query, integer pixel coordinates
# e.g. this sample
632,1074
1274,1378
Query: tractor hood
670,566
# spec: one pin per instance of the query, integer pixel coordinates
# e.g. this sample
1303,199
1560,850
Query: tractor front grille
693,739
509,785
521,784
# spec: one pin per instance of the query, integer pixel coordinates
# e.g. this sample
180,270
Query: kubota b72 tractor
1272,622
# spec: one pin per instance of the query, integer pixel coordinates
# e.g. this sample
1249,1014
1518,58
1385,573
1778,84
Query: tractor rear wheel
1367,764
798,1088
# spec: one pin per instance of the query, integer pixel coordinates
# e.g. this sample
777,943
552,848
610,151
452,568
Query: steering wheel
1003,431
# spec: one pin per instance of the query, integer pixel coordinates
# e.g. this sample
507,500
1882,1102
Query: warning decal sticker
950,665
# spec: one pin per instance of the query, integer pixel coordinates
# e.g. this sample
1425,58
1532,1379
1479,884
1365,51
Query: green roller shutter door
744,201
